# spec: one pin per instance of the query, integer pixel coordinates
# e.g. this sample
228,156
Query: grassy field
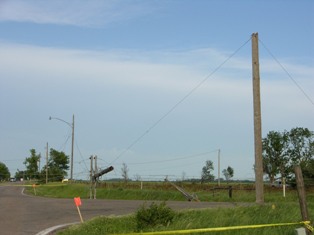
164,191
277,209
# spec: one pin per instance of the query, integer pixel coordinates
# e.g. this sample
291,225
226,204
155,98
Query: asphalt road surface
21,214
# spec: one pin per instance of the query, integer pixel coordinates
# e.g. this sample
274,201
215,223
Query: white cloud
176,71
93,13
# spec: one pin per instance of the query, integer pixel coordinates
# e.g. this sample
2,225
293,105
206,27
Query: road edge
53,229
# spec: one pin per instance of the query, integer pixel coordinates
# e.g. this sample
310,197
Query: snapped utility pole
95,180
91,177
259,186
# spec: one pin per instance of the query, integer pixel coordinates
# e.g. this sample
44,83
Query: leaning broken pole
94,176
189,197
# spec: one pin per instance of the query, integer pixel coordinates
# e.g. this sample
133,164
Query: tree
301,148
125,172
275,157
58,164
31,164
4,172
282,151
206,175
308,171
19,174
228,173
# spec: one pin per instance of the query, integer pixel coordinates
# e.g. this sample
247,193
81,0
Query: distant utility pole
95,180
91,177
257,122
218,167
47,163
72,147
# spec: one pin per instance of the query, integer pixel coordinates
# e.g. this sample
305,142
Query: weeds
154,216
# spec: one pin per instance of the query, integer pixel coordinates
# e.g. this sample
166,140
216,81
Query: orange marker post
78,203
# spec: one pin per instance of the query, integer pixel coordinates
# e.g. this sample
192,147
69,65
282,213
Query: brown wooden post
259,185
301,194
230,191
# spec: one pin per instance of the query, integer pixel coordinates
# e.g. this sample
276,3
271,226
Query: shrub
154,215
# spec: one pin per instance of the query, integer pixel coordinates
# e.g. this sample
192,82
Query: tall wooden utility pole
257,122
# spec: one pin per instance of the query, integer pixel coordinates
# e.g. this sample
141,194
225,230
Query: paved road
21,214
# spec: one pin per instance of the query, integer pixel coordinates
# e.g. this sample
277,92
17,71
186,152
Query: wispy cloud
164,70
93,13
175,73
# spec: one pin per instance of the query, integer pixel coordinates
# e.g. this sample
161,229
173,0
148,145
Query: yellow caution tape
308,226
203,230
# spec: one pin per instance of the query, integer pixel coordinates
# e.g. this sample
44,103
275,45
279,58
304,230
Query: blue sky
121,66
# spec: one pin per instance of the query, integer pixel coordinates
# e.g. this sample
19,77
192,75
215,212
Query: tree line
281,152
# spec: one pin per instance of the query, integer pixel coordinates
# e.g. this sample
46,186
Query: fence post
301,194
230,191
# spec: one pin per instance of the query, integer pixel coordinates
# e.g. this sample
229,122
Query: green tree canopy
282,151
31,163
228,173
206,172
4,172
301,146
275,158
19,174
58,164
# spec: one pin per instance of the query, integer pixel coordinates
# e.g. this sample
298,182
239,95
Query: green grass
163,192
206,218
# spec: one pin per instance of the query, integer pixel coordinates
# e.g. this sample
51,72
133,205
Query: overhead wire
179,102
81,156
176,159
288,74
62,147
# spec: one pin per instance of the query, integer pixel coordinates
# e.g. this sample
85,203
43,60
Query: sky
161,86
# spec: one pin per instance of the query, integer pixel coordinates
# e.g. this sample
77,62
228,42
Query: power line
288,74
179,102
81,156
62,148
176,159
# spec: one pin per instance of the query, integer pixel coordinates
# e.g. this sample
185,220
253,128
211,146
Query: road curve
21,214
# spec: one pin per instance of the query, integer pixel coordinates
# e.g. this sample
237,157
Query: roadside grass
205,218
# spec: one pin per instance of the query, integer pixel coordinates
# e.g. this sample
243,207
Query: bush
154,215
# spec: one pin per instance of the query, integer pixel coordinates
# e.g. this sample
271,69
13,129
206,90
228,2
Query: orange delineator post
78,203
